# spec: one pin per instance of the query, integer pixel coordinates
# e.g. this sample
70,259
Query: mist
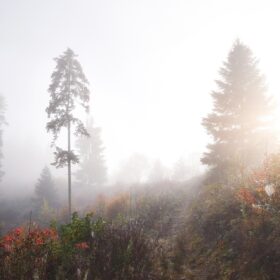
156,71
151,67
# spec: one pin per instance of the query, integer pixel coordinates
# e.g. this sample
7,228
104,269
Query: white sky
151,65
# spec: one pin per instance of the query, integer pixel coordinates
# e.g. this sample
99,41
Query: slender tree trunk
69,172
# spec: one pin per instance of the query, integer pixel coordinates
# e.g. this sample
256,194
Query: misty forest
139,140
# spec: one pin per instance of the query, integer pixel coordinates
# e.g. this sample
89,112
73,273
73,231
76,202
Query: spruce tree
68,88
93,171
45,190
239,121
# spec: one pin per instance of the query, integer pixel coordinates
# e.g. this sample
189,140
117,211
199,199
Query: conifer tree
45,190
68,88
93,171
239,120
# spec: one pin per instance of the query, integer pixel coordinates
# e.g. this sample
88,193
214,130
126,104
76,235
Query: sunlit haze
151,67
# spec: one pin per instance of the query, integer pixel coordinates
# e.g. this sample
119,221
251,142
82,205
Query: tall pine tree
239,121
93,171
68,88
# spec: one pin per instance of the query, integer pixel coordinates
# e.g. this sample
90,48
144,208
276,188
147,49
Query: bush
82,249
234,233
122,251
27,253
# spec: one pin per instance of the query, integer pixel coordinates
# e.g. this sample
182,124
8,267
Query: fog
151,66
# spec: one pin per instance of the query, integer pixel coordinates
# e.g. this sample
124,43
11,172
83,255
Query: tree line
240,124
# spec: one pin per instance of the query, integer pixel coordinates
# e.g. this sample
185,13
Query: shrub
233,233
122,251
27,253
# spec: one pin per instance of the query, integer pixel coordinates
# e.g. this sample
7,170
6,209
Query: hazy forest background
139,140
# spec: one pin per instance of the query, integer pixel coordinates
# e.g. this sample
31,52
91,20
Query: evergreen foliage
45,191
68,88
93,171
239,121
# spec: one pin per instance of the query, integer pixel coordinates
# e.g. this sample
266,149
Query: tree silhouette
45,190
93,171
68,88
239,118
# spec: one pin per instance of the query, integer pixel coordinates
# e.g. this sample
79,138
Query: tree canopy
240,117
92,172
68,88
45,190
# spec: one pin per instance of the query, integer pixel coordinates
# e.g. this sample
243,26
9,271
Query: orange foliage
82,245
117,205
246,196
